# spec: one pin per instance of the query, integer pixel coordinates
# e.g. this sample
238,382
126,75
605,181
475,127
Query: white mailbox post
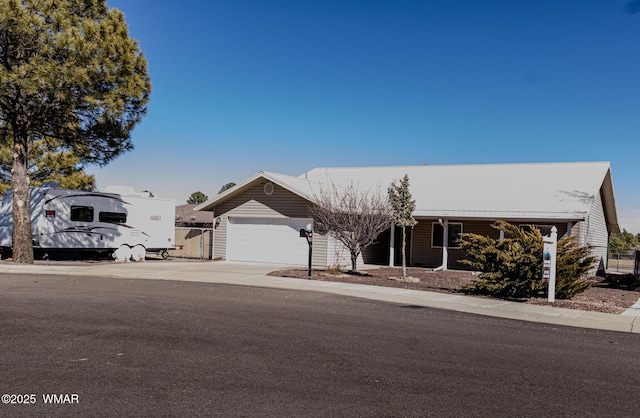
549,252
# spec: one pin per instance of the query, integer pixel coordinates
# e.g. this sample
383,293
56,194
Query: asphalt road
120,347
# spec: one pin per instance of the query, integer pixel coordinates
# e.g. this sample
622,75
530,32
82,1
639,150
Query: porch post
392,248
445,245
569,226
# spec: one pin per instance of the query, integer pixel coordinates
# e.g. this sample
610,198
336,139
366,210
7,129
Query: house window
82,213
437,235
113,217
544,229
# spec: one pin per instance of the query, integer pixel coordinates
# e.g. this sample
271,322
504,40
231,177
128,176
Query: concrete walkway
255,275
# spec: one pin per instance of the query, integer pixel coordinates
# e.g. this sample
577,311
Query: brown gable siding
255,203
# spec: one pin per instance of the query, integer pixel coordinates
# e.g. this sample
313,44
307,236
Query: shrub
512,268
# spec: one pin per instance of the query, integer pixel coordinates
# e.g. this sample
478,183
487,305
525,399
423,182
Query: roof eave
506,216
609,204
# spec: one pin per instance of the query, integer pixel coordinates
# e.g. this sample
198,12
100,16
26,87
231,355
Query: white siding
320,244
220,239
339,255
594,231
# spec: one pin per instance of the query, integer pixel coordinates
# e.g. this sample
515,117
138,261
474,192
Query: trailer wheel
138,253
123,253
164,254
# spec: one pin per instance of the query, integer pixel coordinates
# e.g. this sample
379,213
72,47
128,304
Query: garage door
267,241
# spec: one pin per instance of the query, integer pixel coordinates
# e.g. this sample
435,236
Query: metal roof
554,191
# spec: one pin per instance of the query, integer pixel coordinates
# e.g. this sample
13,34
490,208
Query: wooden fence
196,243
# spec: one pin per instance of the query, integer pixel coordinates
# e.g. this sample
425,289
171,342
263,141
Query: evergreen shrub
512,268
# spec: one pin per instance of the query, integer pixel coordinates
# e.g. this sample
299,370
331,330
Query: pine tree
624,240
197,198
70,72
403,207
48,162
226,187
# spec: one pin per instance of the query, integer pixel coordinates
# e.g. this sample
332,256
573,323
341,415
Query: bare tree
352,217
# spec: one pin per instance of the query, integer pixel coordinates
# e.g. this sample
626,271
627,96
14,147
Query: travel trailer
118,222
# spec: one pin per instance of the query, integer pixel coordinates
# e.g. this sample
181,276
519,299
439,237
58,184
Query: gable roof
295,185
561,191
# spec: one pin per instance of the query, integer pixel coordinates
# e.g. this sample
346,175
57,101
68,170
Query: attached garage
267,240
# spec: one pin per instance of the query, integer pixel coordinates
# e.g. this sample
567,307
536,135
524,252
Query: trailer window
82,213
113,217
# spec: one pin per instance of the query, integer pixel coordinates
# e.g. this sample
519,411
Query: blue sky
241,86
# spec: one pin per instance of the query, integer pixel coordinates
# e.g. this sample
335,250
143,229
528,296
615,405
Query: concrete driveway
200,271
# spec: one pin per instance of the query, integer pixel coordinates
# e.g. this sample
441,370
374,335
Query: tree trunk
22,246
404,258
354,261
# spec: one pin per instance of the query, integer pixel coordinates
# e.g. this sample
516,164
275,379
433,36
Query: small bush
512,268
335,269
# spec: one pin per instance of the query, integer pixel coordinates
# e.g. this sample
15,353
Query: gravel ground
613,294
